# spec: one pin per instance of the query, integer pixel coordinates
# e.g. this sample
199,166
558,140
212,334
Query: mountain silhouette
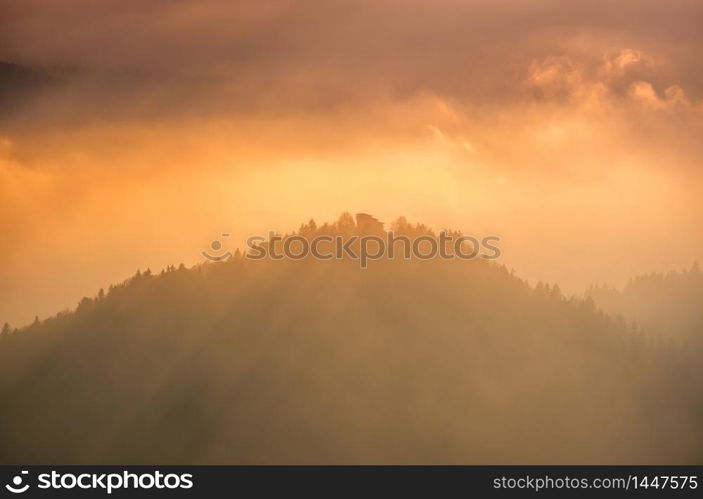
408,361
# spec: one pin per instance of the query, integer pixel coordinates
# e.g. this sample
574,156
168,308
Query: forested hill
322,362
666,305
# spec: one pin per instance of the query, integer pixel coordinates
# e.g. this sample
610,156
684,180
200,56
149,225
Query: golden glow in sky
574,134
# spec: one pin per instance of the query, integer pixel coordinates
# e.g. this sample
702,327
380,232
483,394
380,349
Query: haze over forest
133,134
408,361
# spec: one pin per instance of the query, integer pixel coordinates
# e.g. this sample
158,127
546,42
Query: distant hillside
667,305
321,362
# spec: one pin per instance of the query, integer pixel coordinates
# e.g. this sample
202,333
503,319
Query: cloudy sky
133,133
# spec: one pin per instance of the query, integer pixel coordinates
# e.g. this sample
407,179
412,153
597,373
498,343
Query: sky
134,133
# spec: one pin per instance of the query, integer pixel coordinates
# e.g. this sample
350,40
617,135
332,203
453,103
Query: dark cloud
19,85
137,59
